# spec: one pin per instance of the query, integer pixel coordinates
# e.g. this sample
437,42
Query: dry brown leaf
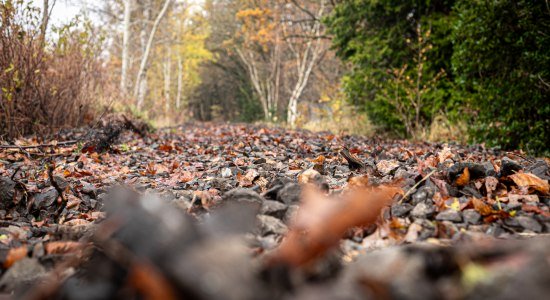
531,181
491,184
75,222
444,154
481,207
322,221
14,255
464,178
150,282
166,147
361,181
62,247
319,160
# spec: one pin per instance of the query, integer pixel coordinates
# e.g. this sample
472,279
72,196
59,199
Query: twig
59,144
353,162
416,185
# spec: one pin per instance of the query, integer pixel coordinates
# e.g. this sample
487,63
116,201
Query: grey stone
471,216
271,225
400,210
23,274
529,223
274,208
424,193
291,213
422,210
7,190
540,169
449,215
45,199
290,193
509,167
242,195
489,169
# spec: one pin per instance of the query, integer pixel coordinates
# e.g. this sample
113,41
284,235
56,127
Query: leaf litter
214,211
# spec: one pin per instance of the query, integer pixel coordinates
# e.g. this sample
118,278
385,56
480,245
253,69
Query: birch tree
259,48
304,41
125,47
140,87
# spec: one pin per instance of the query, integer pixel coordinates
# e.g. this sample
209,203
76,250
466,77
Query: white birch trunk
139,93
305,64
125,48
180,82
167,77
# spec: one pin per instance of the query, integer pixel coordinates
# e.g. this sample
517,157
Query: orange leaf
150,282
531,181
14,255
361,181
464,178
322,221
482,208
62,247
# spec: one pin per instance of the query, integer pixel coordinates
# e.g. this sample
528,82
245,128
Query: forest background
464,70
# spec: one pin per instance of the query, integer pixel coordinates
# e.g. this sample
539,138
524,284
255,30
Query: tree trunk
125,47
167,77
180,82
139,93
305,64
44,24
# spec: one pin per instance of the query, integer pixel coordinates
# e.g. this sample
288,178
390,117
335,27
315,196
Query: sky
65,10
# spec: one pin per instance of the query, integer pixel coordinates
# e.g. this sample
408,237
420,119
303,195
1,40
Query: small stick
416,185
60,144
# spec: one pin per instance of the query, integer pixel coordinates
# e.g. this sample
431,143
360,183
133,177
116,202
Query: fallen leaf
531,181
481,207
322,221
464,178
491,184
150,282
62,247
14,255
444,154
358,182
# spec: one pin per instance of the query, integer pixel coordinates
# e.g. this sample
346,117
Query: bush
383,41
502,59
494,55
44,85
